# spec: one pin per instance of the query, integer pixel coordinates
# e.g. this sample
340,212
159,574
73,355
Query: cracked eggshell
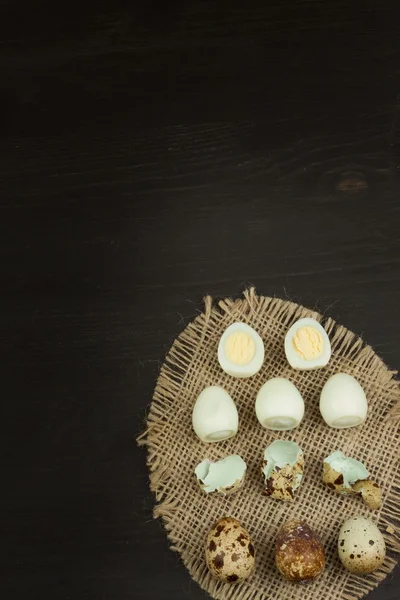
215,417
240,351
299,553
224,477
340,473
370,492
361,546
283,469
334,480
229,551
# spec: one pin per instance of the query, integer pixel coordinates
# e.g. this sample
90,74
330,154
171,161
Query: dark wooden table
150,155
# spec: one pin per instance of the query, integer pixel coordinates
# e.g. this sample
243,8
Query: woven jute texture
174,450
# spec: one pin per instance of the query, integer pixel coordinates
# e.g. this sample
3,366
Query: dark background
151,154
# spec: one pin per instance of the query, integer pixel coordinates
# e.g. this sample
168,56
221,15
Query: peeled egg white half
307,345
279,405
215,417
343,403
240,351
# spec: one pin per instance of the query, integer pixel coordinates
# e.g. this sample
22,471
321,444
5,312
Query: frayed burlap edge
173,373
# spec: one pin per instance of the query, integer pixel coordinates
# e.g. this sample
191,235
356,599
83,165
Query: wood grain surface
152,153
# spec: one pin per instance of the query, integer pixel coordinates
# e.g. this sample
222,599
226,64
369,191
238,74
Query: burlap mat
174,450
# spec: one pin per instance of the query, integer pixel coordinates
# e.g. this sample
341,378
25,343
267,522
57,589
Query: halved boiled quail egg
225,476
307,345
240,351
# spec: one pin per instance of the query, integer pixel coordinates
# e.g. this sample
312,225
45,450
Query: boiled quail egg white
307,345
343,402
240,351
215,417
279,405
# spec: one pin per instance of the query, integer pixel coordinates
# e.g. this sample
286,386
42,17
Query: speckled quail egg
229,551
343,403
215,417
361,546
307,345
283,469
279,405
225,476
299,553
345,475
240,351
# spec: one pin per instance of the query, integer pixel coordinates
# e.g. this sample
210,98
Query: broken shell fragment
340,473
282,469
225,476
370,492
344,475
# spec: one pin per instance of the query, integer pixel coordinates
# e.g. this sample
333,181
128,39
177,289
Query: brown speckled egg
229,551
299,555
361,546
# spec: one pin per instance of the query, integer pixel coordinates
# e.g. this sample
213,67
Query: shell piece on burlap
174,450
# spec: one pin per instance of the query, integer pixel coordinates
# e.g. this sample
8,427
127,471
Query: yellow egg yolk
308,343
240,348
